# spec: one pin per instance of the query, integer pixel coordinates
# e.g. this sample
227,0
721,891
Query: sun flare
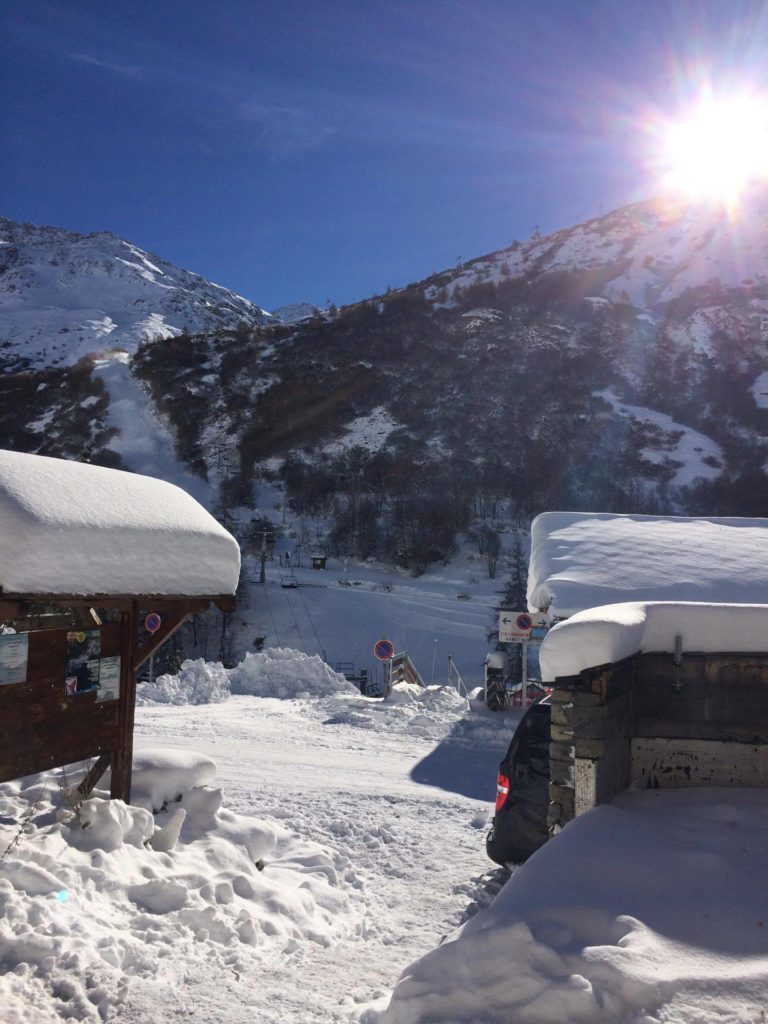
717,149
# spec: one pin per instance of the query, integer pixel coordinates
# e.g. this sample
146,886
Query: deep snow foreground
652,910
348,844
367,818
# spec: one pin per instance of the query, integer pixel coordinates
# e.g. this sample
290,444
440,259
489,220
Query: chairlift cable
272,617
296,623
306,609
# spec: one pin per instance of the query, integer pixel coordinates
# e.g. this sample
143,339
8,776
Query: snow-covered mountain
296,311
621,364
647,254
64,295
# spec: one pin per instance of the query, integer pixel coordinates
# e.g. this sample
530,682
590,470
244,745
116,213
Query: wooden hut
86,555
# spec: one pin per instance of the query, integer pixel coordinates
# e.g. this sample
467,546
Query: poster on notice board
109,679
14,654
82,669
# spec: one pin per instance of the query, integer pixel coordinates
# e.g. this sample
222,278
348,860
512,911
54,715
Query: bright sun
718,149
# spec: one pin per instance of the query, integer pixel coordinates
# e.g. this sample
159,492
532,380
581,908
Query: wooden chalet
98,568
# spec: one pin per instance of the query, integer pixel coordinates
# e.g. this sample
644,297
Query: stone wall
710,707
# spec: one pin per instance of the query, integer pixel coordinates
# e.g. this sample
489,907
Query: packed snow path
144,444
403,790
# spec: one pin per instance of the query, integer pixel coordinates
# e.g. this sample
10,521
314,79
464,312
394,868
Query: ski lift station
87,556
658,656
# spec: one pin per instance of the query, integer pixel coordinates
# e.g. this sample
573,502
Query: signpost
522,628
384,650
152,623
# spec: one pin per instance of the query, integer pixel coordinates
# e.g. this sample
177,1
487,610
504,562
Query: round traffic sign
524,621
153,622
383,649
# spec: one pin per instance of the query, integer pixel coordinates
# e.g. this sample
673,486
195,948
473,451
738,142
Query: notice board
63,697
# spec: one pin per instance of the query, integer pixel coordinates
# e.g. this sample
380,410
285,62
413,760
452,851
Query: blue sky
301,150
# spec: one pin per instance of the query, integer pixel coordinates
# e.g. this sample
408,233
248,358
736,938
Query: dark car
519,825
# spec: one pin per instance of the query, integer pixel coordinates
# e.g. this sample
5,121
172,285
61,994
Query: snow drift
96,896
651,908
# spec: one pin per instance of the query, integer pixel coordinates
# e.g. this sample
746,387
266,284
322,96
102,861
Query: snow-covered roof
71,528
584,559
602,636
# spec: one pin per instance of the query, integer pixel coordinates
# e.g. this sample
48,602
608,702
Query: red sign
153,622
383,649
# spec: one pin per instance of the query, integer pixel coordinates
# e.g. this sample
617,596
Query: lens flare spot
716,149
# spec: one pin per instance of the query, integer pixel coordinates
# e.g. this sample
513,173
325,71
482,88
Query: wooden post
123,758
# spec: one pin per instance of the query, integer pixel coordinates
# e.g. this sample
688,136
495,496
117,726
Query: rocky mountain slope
64,296
621,364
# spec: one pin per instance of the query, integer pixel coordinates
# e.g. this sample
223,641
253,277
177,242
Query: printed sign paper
109,679
14,653
83,661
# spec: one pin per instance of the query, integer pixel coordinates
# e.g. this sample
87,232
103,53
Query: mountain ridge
64,295
621,364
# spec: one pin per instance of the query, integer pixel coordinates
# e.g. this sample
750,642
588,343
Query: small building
317,561
659,662
105,551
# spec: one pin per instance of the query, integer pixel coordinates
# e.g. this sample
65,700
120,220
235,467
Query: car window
529,751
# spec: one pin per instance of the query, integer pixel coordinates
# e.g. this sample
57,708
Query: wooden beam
123,602
173,621
97,770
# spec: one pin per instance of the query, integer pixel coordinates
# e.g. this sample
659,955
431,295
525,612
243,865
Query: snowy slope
296,311
647,254
64,295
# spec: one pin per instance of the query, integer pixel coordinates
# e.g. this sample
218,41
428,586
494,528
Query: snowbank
72,528
425,711
93,898
600,636
279,672
669,926
585,559
198,682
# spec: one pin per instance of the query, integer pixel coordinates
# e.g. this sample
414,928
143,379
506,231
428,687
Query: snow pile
585,559
279,672
669,925
426,711
601,636
434,713
163,775
198,682
72,528
97,899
